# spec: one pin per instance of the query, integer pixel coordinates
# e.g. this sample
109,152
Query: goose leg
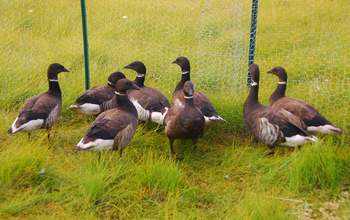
171,141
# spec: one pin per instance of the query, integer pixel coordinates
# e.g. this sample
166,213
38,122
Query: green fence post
252,36
86,45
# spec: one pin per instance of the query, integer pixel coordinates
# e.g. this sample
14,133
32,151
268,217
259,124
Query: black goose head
124,85
114,77
138,66
184,63
280,73
188,89
254,73
53,70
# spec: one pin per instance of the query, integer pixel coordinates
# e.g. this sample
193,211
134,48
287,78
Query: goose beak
65,70
269,71
190,91
173,62
126,67
135,87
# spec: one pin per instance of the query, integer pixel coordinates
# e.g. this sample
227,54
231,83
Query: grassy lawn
231,176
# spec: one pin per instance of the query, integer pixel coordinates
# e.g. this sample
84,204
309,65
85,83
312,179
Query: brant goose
41,111
150,103
89,102
200,100
268,124
113,129
316,123
184,122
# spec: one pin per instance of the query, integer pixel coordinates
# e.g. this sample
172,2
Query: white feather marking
158,117
325,129
298,140
140,75
97,145
27,127
53,80
268,132
143,114
282,83
185,72
51,119
86,109
177,102
124,137
213,119
254,83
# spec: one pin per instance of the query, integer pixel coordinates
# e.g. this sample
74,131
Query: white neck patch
109,83
188,97
140,75
185,72
254,83
53,80
282,83
118,93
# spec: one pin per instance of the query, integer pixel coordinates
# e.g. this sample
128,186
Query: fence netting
310,39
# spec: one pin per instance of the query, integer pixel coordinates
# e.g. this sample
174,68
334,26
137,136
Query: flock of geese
120,105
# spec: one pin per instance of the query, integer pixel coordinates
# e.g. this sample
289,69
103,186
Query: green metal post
86,45
253,25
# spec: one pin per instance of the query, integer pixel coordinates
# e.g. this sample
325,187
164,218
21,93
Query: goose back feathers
113,129
200,100
150,103
270,125
315,121
184,122
41,111
89,102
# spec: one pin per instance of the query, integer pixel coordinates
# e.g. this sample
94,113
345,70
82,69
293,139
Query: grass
231,176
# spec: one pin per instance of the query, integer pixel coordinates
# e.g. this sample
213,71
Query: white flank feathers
144,115
158,117
213,119
298,140
86,109
97,145
269,132
27,127
324,129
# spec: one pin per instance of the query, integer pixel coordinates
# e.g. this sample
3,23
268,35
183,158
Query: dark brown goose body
270,125
89,102
114,128
41,111
151,104
184,122
200,100
314,120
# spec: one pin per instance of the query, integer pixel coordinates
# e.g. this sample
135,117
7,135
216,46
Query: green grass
231,177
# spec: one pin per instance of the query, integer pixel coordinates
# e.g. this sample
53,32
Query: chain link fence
310,39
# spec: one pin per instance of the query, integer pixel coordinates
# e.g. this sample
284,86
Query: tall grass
231,176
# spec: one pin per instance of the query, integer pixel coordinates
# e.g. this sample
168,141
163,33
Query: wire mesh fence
310,39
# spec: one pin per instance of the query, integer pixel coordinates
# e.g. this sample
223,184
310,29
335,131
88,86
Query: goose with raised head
270,125
184,122
41,111
200,100
314,120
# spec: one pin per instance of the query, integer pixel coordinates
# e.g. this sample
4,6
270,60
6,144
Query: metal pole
252,36
86,45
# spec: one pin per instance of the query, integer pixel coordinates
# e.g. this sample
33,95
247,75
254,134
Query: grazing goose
200,100
150,103
89,102
41,111
316,123
184,122
113,129
268,124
